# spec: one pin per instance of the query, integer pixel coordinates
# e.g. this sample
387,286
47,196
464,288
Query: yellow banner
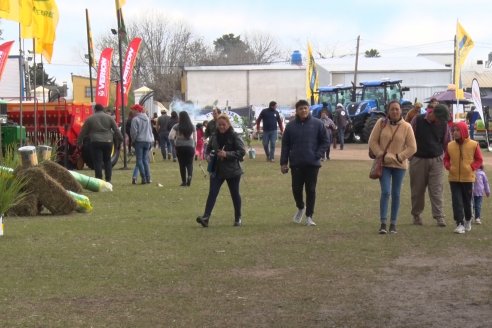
463,46
17,10
43,28
120,3
312,81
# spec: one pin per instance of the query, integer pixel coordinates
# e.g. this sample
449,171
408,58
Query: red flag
131,56
103,80
4,55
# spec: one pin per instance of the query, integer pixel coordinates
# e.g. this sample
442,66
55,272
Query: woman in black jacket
228,149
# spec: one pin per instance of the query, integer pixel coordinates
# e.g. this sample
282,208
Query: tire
87,156
60,155
368,126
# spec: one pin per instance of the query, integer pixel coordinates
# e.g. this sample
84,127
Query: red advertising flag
131,56
103,80
4,55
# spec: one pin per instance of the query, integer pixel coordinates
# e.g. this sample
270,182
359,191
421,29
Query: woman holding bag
393,141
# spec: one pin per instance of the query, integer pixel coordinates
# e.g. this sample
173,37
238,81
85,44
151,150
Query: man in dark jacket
270,117
341,120
163,131
101,129
304,144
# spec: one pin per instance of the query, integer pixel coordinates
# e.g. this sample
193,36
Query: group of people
427,145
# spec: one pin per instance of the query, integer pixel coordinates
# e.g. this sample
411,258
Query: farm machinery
57,124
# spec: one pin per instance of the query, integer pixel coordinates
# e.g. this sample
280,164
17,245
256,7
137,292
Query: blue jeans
390,183
165,143
269,139
143,163
341,136
477,206
213,191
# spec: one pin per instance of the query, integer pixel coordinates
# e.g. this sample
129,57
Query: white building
245,85
423,76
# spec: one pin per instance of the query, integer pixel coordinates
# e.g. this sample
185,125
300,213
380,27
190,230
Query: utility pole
354,84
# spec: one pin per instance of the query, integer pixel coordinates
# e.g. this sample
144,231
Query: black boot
203,220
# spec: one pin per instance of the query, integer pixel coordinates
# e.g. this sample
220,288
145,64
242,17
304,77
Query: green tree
230,49
372,53
40,74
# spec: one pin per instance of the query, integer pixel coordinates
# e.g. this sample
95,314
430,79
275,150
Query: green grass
140,259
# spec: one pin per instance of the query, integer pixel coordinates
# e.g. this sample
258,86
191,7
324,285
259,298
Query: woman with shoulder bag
229,150
392,140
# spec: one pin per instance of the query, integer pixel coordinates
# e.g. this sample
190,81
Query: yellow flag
463,46
120,3
311,77
17,10
43,28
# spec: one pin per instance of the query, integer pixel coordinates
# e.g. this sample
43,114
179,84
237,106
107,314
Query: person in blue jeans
142,137
392,139
271,118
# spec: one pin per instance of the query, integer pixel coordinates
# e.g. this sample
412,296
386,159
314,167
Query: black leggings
213,191
185,159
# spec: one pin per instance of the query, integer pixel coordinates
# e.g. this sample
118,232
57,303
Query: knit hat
339,105
441,112
137,107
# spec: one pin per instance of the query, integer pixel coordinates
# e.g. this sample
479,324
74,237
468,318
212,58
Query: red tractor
59,127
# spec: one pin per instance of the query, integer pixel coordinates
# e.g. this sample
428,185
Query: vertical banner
477,100
103,77
131,56
311,77
90,44
4,55
463,45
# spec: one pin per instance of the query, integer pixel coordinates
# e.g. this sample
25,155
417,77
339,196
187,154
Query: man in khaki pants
426,166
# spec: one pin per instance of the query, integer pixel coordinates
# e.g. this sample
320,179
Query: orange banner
4,55
103,77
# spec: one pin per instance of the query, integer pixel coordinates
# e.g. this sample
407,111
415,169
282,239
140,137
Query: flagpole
44,104
122,94
35,95
21,55
89,51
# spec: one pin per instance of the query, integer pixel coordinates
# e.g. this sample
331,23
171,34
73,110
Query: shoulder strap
391,140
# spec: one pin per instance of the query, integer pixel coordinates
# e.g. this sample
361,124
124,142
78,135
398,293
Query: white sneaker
467,225
478,221
460,229
310,221
299,214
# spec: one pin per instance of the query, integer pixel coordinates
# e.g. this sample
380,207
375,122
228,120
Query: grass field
140,259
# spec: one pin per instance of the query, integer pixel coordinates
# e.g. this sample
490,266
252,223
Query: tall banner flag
120,3
43,28
4,55
463,45
311,77
103,77
131,56
90,43
5,6
477,100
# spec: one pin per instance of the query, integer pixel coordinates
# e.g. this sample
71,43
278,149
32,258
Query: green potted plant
247,137
11,188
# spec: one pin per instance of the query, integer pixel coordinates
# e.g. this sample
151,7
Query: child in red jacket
462,158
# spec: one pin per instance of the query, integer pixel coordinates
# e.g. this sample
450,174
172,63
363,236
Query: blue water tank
296,58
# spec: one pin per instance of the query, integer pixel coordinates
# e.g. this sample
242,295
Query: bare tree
264,47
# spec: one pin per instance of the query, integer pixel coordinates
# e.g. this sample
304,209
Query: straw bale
28,206
61,174
50,193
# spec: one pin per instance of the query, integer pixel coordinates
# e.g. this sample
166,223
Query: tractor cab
331,96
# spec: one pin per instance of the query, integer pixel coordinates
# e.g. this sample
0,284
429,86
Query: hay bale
62,175
50,193
27,207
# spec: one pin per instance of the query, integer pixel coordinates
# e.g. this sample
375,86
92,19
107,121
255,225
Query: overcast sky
395,28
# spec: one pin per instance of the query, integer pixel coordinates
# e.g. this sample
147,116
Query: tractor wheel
60,155
87,156
368,126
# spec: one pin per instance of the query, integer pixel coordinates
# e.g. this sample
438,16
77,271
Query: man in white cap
341,120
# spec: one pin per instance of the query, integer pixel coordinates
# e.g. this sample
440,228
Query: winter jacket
141,129
304,143
462,157
234,147
481,185
100,127
403,143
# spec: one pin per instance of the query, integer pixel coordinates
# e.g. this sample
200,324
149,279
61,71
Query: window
88,92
